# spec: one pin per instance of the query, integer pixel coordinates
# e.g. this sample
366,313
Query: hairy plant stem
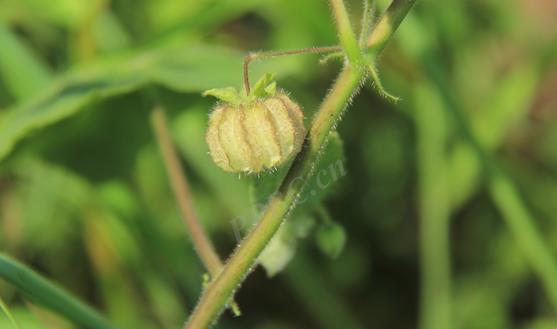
258,55
221,289
346,34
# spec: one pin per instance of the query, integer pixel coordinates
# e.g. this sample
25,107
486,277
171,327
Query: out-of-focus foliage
84,198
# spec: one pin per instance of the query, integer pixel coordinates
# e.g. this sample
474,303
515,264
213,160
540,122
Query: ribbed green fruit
255,136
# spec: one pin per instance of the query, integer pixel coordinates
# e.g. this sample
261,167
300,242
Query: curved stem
178,182
180,188
270,54
221,289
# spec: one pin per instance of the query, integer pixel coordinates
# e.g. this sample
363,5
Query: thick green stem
221,289
41,291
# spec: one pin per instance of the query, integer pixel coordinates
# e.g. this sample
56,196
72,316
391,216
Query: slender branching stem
181,190
376,41
221,289
253,56
346,34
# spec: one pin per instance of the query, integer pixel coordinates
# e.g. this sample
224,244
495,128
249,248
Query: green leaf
228,94
47,224
280,250
186,69
331,239
263,186
328,172
264,87
271,89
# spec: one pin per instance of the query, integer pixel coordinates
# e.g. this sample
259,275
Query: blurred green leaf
187,69
46,209
327,173
280,251
23,73
283,246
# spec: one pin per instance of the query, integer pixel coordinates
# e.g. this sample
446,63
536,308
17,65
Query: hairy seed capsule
259,135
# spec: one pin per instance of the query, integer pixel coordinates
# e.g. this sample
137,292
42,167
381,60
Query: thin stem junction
271,54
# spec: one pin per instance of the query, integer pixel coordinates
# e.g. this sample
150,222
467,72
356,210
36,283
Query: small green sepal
263,88
228,95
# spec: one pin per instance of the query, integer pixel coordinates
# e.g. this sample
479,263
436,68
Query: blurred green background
85,201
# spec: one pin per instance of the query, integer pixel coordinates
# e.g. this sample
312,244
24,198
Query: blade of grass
502,190
8,314
434,209
43,292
